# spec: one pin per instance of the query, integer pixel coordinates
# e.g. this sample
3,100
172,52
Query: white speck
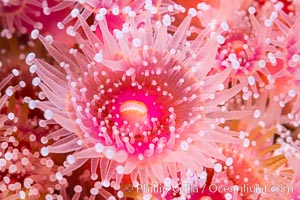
94,191
36,81
246,143
12,169
173,51
44,151
35,34
292,93
228,196
235,64
262,64
130,71
203,6
136,42
251,10
70,31
273,16
48,114
74,12
22,195
184,146
115,10
166,20
272,58
9,91
99,148
271,79
172,128
146,196
131,14
79,142
278,6
103,11
105,183
232,57
8,156
99,17
268,23
98,57
78,188
120,194
60,25
251,80
22,84
46,10
11,116
153,10
32,69
118,33
201,133
192,12
120,169
110,153
218,167
170,8
296,57
31,104
49,38
229,161
49,197
58,176
224,26
256,113
29,58
220,39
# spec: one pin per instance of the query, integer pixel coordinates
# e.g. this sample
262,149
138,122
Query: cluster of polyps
261,167
139,100
23,171
284,48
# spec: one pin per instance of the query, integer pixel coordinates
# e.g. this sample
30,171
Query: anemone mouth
133,111
237,52
142,109
12,9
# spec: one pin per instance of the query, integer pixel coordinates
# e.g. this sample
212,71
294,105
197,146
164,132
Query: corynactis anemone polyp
23,173
284,44
20,15
261,168
139,103
243,45
255,167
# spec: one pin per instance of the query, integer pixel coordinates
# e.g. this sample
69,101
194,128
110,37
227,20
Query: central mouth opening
133,111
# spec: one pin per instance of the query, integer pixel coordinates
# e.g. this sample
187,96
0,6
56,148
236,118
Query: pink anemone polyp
141,104
135,109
